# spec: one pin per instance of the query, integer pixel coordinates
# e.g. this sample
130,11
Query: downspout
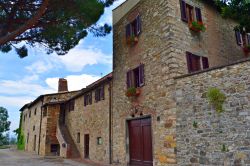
110,122
40,127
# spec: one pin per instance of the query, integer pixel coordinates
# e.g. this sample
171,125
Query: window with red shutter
196,63
135,77
133,28
189,13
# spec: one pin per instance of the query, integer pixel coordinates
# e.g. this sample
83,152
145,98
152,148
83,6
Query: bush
216,98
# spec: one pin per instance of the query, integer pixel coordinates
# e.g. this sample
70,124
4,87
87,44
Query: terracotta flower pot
246,51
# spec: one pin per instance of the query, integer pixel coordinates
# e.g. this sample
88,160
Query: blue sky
22,80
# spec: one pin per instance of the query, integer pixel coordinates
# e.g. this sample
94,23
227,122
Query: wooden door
34,146
140,142
86,145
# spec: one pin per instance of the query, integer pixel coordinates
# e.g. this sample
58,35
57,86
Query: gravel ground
12,157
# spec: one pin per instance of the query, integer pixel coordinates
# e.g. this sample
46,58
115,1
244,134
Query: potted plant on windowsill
246,49
197,26
132,40
133,92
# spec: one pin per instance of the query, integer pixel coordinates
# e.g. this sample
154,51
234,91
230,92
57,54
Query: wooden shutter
198,14
183,11
193,62
141,75
128,31
205,63
189,61
90,98
248,38
85,100
238,38
138,24
129,79
102,93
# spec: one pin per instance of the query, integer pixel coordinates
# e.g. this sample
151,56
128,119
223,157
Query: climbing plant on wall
216,98
20,137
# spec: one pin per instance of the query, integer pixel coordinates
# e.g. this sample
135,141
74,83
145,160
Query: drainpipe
110,121
39,140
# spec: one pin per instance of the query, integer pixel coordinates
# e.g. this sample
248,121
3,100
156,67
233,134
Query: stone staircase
72,151
68,148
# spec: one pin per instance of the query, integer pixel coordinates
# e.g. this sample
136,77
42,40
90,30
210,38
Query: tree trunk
29,24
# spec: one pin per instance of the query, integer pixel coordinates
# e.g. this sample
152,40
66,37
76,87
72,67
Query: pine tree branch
33,21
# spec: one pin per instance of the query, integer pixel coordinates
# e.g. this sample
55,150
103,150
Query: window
29,114
242,39
45,111
34,127
88,99
196,63
99,94
99,141
238,38
78,138
135,77
35,112
189,13
24,117
71,105
133,28
28,138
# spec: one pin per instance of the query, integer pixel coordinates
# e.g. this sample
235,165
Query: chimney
62,85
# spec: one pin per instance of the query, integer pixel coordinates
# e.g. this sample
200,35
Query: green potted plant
133,92
197,26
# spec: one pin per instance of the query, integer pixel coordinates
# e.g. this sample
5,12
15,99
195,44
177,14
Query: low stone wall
218,139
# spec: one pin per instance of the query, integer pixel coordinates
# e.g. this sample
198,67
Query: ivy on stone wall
216,99
20,137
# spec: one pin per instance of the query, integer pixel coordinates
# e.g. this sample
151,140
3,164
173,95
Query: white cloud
22,87
78,58
75,82
39,67
17,101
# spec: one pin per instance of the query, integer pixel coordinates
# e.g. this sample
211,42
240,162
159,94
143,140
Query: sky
23,80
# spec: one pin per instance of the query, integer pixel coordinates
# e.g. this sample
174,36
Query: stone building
154,42
153,109
71,124
39,121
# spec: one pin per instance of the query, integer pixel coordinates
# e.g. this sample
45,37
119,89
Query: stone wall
218,42
204,144
93,120
31,127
